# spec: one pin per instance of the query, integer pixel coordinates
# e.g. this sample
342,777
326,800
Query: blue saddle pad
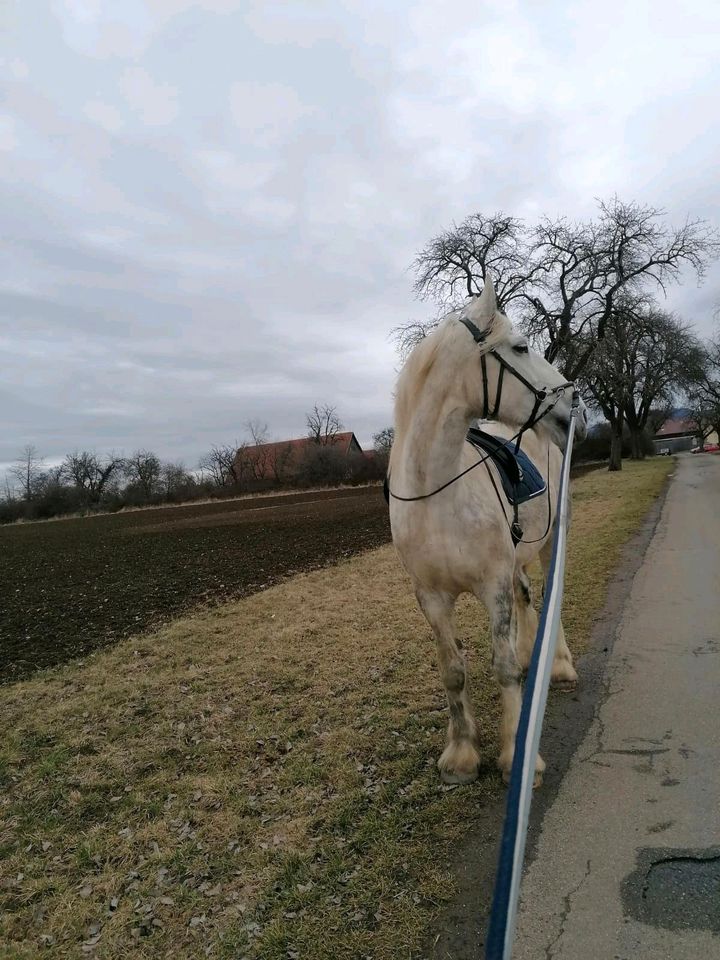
521,479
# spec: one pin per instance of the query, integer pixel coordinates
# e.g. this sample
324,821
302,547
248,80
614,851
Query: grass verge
258,780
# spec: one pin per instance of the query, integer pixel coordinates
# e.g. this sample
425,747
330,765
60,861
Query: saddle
521,480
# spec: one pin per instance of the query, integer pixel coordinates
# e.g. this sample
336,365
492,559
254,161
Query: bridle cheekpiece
541,394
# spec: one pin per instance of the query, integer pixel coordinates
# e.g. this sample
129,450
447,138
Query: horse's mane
449,338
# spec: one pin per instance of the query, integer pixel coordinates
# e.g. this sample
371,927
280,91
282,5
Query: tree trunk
637,447
616,447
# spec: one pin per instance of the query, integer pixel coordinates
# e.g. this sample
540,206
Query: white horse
458,540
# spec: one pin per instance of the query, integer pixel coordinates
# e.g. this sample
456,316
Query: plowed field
70,586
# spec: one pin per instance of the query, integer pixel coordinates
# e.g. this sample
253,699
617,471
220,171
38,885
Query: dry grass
258,781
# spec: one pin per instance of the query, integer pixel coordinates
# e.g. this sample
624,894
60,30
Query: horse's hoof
456,777
563,676
537,779
459,762
506,770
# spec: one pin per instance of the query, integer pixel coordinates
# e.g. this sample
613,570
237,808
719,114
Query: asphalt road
626,865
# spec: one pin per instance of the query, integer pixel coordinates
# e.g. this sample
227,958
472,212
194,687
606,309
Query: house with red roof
286,460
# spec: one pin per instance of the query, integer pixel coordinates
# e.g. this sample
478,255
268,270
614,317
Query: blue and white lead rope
501,931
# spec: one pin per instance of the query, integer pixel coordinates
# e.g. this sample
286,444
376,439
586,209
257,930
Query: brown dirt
72,587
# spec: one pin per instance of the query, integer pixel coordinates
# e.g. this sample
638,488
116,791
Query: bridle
540,393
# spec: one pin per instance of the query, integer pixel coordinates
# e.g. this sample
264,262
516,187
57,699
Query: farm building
677,434
287,460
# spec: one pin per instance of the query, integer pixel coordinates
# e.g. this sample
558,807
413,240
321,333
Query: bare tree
382,445
707,419
645,359
323,424
223,463
266,460
91,475
585,267
248,465
27,471
704,389
407,335
55,475
663,356
259,433
604,383
176,480
563,277
280,461
143,469
255,458
454,265
383,440
10,495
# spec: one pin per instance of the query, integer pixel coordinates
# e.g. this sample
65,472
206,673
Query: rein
540,396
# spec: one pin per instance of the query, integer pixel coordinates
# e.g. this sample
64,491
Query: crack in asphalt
567,906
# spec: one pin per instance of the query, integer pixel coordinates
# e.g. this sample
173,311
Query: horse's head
512,382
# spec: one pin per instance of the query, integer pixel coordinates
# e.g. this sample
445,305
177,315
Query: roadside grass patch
258,780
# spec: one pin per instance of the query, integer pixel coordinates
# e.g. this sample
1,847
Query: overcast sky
210,207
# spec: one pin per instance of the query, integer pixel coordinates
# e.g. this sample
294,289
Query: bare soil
69,588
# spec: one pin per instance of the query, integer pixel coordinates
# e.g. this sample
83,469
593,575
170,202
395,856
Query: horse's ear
482,309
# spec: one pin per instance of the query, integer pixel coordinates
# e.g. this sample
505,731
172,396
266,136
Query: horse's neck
431,448
542,449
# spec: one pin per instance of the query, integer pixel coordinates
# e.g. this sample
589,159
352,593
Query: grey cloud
213,205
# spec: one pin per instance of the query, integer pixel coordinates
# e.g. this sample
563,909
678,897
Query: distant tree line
585,293
87,482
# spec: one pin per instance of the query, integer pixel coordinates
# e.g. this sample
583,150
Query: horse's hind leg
459,760
527,620
499,599
563,676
